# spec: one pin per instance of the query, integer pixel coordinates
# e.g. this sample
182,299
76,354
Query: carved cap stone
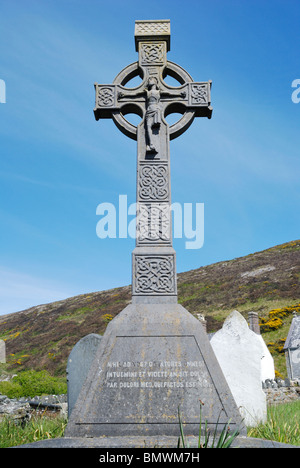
149,30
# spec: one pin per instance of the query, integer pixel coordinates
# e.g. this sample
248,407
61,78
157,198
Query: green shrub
32,383
11,389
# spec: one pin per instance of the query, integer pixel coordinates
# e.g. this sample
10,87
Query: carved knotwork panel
199,94
154,274
105,96
153,223
153,182
152,53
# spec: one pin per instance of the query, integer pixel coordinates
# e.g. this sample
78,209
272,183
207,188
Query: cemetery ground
39,427
283,425
40,339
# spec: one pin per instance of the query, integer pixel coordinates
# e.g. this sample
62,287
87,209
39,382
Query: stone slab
79,362
293,338
153,360
267,362
239,352
146,443
292,349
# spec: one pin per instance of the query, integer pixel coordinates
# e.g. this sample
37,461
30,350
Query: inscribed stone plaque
152,377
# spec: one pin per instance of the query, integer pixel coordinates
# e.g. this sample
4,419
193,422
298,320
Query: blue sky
57,163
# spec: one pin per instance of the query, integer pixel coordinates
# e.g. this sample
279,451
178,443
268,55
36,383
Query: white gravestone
267,362
239,353
2,352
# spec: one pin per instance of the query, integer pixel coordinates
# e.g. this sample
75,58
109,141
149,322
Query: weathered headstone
254,322
79,362
154,357
2,352
239,353
292,349
267,361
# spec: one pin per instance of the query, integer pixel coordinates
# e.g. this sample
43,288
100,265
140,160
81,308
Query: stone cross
153,259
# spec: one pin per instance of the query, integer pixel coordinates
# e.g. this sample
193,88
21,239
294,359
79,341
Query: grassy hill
267,282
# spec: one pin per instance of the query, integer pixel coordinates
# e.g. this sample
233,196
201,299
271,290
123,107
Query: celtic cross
153,259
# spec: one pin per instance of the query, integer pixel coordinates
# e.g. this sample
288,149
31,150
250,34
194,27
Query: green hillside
267,282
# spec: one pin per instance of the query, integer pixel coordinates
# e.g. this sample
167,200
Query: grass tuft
39,427
283,424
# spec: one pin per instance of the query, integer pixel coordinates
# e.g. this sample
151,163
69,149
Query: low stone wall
277,392
22,408
281,391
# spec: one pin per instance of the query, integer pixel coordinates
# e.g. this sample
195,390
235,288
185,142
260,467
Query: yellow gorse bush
273,322
107,318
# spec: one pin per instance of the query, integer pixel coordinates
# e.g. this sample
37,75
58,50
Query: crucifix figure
153,259
153,114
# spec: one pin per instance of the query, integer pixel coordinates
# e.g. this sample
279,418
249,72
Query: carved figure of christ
153,115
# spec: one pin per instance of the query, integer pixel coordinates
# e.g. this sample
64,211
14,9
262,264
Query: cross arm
190,97
106,101
199,98
180,94
114,97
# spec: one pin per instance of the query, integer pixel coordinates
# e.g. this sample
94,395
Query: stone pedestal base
153,360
